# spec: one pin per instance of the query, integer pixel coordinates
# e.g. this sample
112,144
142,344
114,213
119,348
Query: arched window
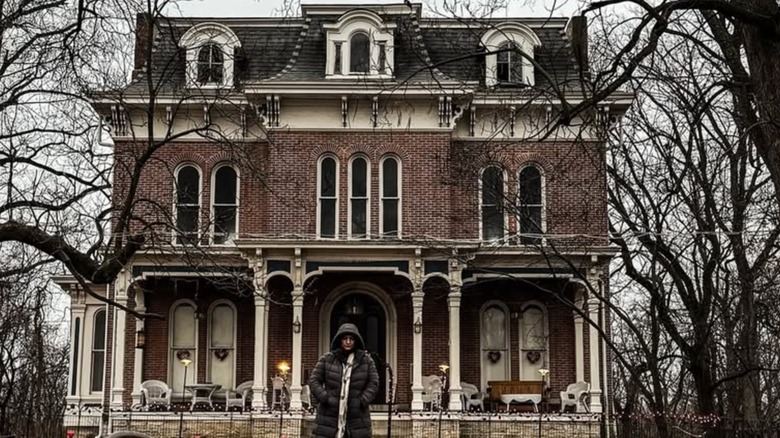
327,189
210,64
533,353
183,335
530,205
359,53
494,323
390,215
359,188
222,344
98,351
187,204
225,207
492,198
509,65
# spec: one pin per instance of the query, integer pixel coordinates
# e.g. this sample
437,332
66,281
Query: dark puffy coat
325,386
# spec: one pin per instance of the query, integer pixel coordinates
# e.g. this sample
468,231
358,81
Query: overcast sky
250,8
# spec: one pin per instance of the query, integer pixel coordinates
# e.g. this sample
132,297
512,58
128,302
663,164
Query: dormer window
510,48
360,43
210,58
211,65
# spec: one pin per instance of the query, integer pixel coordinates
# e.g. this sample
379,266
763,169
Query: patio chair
280,395
431,395
575,396
306,397
471,396
239,397
155,395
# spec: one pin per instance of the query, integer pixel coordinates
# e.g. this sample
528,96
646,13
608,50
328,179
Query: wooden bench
528,390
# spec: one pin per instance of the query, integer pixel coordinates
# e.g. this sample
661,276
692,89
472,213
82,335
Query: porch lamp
418,326
140,338
297,325
284,368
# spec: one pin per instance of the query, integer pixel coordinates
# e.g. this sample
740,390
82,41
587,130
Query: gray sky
249,8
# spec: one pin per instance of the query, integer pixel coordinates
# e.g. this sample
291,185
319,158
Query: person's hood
347,329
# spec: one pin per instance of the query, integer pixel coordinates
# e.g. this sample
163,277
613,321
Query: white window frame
176,205
524,39
212,227
352,197
211,347
92,351
507,338
545,360
382,197
542,206
320,197
199,36
379,34
503,208
192,370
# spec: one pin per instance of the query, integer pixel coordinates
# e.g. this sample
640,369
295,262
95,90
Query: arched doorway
368,315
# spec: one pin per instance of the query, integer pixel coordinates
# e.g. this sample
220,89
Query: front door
369,317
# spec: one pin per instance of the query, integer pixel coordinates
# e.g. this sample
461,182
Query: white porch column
594,308
77,310
417,314
579,353
455,389
297,349
261,337
138,371
118,354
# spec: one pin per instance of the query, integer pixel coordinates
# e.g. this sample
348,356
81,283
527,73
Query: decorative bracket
344,111
118,120
472,120
374,111
445,111
272,110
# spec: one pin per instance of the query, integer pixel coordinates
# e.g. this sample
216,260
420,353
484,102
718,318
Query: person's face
347,342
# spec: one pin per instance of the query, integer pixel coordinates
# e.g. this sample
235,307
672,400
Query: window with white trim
359,189
491,203
183,344
509,67
359,53
187,204
359,43
210,55
225,204
98,359
533,341
530,205
222,344
327,194
390,193
211,64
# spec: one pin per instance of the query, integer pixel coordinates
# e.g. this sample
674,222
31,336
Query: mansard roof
293,50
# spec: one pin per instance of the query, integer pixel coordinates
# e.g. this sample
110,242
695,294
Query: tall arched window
494,322
327,189
183,334
509,65
359,53
359,188
492,198
187,204
211,64
225,206
222,344
390,214
530,205
533,341
98,351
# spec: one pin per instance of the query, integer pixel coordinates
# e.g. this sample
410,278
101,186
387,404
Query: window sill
361,76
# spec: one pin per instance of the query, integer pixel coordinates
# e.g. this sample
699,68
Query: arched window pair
224,204
529,205
359,197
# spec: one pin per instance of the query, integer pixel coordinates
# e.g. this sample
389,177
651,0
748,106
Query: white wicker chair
574,396
432,387
471,396
155,394
239,396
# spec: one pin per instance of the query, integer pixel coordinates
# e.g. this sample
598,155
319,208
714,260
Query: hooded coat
325,386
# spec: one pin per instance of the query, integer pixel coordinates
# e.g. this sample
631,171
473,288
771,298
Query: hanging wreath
221,354
494,356
533,356
183,354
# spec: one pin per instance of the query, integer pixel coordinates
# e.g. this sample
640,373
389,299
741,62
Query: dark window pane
492,223
358,53
97,371
210,64
382,57
225,181
328,218
530,186
492,186
359,177
187,185
187,219
328,177
224,224
99,338
531,223
390,178
359,218
390,218
337,67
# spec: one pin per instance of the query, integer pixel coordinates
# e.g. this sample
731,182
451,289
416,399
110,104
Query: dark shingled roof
294,50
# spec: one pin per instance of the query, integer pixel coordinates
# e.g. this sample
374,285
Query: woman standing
344,382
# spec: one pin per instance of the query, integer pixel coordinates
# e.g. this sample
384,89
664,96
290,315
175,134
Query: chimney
142,40
577,32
